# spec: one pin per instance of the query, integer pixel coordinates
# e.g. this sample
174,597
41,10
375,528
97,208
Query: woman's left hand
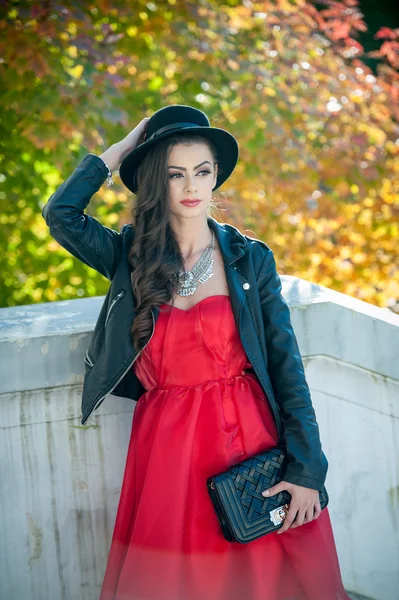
304,505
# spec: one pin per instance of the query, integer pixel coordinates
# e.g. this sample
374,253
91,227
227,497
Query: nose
190,185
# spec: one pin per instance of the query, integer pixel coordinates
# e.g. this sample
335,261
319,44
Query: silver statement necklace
187,281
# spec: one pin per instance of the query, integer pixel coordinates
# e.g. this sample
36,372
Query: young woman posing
195,330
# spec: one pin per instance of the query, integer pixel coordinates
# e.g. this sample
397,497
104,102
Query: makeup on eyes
202,171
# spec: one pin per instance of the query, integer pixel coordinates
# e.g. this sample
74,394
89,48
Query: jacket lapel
232,243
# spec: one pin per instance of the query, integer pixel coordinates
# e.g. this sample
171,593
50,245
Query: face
191,175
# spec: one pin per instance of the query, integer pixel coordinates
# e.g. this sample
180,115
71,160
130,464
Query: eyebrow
183,169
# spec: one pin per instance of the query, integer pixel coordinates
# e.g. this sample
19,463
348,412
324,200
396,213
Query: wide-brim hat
177,118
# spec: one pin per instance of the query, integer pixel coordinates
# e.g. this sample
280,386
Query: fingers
275,489
303,516
292,512
144,123
304,506
317,511
300,516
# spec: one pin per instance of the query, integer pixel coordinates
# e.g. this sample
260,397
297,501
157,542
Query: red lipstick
189,202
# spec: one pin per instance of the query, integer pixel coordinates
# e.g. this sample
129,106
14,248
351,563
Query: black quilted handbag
243,513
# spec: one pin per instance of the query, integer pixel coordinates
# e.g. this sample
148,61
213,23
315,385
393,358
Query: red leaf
387,32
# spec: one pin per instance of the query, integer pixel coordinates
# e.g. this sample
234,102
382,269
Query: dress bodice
192,346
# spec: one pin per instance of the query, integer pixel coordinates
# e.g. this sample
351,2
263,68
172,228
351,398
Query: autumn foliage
317,178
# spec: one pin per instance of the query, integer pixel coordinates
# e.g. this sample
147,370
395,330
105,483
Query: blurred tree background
318,131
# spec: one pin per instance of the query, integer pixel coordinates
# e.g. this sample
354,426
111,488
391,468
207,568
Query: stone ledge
43,345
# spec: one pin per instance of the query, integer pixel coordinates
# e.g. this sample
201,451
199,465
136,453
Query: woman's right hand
114,155
135,137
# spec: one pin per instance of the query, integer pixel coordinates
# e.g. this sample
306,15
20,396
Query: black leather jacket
261,314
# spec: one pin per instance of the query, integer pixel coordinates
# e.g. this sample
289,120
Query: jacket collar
232,243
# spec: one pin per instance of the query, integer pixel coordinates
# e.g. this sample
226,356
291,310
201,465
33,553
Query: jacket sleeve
306,463
83,236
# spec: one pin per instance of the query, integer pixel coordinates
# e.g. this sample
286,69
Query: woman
195,317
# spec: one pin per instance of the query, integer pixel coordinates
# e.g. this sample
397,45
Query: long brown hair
154,254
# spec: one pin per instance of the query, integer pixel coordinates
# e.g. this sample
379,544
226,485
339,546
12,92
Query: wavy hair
155,254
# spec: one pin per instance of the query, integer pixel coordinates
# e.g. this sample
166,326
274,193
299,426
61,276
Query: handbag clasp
278,515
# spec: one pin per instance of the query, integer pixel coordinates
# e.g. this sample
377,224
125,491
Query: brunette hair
154,254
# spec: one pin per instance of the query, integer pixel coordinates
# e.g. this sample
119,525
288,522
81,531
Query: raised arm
84,236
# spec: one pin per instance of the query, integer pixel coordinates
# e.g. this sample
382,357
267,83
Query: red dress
200,414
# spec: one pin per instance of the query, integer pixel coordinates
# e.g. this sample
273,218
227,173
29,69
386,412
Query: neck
192,235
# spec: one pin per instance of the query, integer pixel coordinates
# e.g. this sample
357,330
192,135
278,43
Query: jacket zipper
121,293
97,404
88,360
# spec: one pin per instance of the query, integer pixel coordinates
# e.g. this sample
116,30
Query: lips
190,202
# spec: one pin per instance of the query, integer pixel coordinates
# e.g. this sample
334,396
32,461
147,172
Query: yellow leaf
72,51
76,71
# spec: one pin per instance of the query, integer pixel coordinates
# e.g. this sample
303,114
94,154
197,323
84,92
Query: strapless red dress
201,413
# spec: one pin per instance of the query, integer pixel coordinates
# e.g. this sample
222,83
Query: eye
203,171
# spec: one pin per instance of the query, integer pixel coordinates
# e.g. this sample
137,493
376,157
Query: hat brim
226,144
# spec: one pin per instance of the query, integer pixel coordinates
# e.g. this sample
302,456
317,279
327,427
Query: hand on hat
114,155
135,137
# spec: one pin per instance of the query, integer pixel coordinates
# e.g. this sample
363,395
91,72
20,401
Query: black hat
175,118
